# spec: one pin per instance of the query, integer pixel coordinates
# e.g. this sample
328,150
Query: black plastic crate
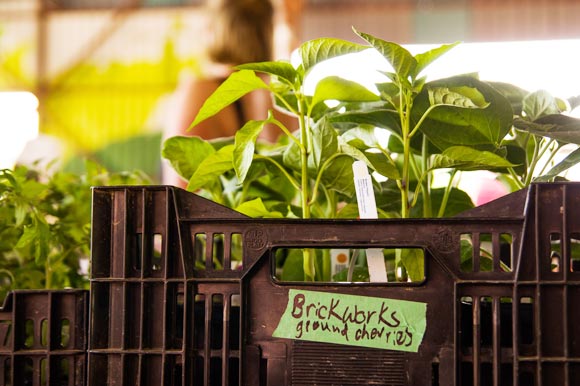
169,306
43,338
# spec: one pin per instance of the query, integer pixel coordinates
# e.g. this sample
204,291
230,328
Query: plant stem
516,178
551,157
426,181
447,194
282,127
319,176
404,112
304,149
308,255
535,159
48,273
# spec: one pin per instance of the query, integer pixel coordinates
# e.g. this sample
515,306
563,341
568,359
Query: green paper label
353,320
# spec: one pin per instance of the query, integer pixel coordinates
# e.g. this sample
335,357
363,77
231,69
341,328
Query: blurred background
92,78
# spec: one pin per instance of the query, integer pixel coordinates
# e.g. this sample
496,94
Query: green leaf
514,94
517,156
32,189
359,275
388,197
244,147
336,88
318,50
447,126
402,61
414,262
571,160
467,158
382,165
291,157
324,143
457,202
426,58
29,235
20,213
42,241
467,97
233,88
212,167
280,69
376,161
539,104
384,118
257,209
361,137
293,268
560,127
186,153
349,210
339,176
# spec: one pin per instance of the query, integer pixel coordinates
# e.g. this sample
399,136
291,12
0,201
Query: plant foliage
456,124
45,225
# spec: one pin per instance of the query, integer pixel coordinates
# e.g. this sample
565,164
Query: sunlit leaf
186,153
256,208
318,50
467,158
212,167
280,69
557,126
468,97
233,88
539,104
382,165
340,89
571,159
426,58
402,61
245,144
447,125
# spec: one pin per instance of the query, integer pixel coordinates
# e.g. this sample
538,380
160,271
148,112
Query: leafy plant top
452,125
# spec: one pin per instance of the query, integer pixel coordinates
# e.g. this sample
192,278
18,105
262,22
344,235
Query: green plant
45,225
455,124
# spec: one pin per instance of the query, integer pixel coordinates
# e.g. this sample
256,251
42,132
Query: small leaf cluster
45,225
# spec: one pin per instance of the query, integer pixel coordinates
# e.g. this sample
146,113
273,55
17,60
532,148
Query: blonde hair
242,31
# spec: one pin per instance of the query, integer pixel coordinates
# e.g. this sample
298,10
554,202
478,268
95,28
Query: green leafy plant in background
455,124
541,130
45,225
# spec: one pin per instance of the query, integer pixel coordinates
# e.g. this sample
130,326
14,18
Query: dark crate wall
43,338
168,306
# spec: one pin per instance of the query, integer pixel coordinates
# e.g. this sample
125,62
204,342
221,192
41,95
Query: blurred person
240,31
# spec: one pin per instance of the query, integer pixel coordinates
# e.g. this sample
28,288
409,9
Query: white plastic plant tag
376,263
367,209
365,196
